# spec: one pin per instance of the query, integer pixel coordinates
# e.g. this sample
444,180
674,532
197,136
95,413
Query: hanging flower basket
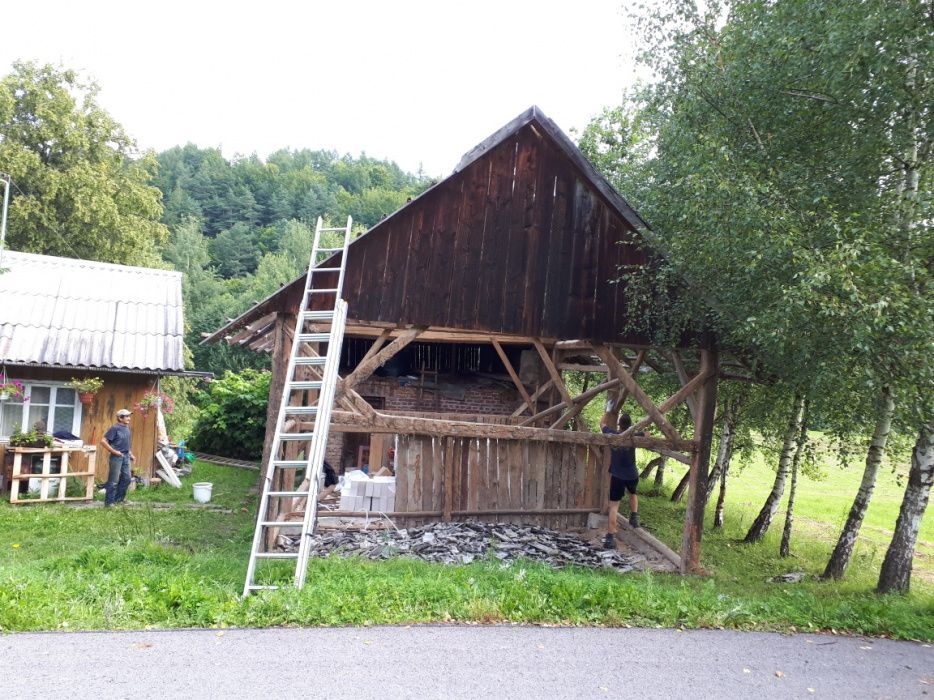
152,399
86,388
86,397
11,389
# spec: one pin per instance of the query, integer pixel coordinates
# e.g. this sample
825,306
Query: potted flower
32,438
152,399
86,387
11,389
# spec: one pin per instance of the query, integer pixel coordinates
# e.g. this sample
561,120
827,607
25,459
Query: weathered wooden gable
519,241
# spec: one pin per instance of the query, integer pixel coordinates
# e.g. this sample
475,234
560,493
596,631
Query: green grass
131,568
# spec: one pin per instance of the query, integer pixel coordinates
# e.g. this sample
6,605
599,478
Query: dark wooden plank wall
516,243
470,474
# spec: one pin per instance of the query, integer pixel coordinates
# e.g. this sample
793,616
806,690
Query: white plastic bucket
202,491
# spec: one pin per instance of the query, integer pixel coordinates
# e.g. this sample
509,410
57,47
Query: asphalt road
459,662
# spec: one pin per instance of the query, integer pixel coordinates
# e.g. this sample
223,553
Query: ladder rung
296,437
322,291
286,493
325,269
302,385
277,555
282,523
301,410
339,228
317,315
290,463
262,588
310,360
314,337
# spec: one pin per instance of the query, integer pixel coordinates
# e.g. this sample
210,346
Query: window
53,405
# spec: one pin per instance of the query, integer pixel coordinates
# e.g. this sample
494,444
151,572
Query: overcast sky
415,82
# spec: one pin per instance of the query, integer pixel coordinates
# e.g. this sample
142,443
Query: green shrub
232,421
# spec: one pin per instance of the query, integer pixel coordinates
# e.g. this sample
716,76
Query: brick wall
455,397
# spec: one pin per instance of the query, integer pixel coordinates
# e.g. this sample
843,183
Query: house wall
121,390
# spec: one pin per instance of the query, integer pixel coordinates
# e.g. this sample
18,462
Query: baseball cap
123,412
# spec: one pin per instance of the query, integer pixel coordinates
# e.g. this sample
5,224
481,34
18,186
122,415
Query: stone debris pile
463,543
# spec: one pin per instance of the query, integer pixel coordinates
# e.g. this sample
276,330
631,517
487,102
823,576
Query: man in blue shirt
117,441
624,476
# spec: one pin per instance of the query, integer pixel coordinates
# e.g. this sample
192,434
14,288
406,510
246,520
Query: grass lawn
131,568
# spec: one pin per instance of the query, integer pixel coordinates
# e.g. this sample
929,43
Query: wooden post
280,363
697,479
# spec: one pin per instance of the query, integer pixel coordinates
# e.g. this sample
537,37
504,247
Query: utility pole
5,179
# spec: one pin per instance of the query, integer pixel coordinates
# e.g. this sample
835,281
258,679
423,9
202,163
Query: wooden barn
466,306
62,318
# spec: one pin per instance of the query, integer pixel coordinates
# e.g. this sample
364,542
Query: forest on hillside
240,228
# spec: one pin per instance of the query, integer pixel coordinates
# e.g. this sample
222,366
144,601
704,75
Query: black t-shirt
118,436
622,460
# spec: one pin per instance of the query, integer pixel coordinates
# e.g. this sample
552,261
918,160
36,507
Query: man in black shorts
624,476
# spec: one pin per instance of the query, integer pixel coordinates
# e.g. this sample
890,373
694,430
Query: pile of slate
463,543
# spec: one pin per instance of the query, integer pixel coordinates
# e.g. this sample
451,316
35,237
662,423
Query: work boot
609,542
634,520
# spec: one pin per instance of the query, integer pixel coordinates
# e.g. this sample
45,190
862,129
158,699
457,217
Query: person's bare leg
609,542
611,515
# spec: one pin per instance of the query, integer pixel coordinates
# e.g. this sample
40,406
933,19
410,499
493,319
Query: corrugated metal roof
79,313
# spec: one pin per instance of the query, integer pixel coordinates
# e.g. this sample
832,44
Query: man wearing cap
117,441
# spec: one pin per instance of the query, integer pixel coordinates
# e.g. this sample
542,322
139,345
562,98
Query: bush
232,422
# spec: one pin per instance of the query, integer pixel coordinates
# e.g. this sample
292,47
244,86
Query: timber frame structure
513,254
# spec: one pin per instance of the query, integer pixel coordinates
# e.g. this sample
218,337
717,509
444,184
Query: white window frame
28,386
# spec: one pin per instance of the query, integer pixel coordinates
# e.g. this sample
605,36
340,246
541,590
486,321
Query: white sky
412,81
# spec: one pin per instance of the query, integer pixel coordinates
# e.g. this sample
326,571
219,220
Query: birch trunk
724,450
895,576
784,548
840,558
764,520
721,498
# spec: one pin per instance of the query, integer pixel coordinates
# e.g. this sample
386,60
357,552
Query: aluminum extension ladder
324,370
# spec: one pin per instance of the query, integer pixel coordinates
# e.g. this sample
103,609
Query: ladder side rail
340,277
280,422
320,436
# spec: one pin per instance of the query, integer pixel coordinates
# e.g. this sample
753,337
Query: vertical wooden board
468,256
437,491
402,473
463,493
559,247
522,305
441,251
541,464
413,487
536,228
427,472
501,474
450,474
473,480
514,472
579,302
401,230
483,474
420,300
497,202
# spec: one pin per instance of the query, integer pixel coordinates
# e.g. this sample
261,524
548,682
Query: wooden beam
280,361
683,378
607,355
555,376
365,369
346,422
573,367
512,374
624,394
697,479
538,392
669,403
578,403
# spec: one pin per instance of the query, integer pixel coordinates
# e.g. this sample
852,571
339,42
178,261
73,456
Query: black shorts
619,487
